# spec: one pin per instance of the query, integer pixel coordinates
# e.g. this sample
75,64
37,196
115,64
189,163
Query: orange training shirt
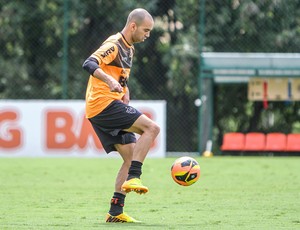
115,58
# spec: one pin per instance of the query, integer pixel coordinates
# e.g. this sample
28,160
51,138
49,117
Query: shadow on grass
144,226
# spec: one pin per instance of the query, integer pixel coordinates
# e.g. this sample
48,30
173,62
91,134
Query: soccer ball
185,171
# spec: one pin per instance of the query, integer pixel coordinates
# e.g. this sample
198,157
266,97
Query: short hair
138,15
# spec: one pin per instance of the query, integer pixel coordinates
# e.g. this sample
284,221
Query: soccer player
108,109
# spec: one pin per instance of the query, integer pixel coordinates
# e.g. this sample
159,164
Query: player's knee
155,129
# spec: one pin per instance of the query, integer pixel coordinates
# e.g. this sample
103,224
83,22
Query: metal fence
44,43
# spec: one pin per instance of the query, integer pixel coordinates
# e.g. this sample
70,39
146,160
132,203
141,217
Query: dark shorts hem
109,124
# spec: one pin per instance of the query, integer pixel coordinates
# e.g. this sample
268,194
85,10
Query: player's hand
115,86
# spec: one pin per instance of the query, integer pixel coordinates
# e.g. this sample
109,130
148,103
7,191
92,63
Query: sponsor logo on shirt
108,52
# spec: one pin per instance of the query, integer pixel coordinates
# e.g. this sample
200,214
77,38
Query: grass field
232,193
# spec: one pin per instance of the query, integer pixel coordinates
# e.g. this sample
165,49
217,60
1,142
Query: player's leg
116,213
126,153
148,131
117,116
113,139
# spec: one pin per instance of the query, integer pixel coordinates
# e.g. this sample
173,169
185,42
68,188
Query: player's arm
91,65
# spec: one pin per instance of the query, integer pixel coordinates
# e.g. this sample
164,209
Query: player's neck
126,38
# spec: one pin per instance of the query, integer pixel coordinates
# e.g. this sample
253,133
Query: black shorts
109,124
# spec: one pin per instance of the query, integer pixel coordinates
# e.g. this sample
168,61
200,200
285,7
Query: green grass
232,193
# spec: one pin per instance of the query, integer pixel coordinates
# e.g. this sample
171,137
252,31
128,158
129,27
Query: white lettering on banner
59,128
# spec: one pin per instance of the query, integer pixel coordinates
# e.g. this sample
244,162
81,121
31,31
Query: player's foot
122,218
135,185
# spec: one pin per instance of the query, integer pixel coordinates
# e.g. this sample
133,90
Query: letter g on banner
10,133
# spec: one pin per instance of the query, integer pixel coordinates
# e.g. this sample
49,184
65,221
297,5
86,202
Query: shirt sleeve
106,53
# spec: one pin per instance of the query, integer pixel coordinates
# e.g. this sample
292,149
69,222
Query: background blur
43,44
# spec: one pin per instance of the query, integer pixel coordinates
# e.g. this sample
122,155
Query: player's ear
133,26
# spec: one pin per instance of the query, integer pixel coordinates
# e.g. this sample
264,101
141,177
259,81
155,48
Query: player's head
138,26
